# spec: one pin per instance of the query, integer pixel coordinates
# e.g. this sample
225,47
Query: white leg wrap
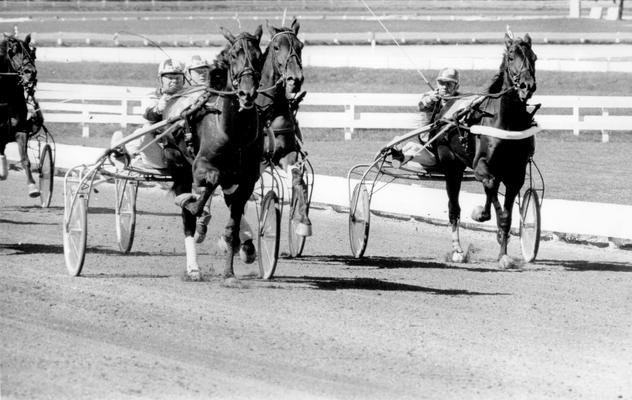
4,168
189,246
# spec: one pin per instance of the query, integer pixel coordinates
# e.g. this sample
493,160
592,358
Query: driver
433,101
430,106
199,71
171,81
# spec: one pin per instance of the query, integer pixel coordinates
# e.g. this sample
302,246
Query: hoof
4,168
303,229
479,215
193,275
458,257
201,228
247,252
33,190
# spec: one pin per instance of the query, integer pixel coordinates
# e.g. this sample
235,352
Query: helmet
197,62
448,75
170,66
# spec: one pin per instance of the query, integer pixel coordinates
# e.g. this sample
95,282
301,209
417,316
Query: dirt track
400,323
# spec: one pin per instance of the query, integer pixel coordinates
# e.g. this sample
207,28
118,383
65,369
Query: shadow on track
331,283
34,248
7,221
381,262
583,266
108,210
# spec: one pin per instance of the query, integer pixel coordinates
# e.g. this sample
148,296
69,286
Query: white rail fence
96,104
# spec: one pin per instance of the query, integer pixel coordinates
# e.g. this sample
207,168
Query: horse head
285,49
519,65
245,60
20,58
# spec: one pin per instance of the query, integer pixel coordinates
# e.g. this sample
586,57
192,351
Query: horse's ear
508,40
27,40
229,36
527,39
295,26
258,32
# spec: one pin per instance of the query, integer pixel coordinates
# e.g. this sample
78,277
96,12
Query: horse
17,76
228,146
494,160
281,82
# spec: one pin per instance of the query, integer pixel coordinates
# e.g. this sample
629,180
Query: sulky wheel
269,229
46,170
296,242
125,212
75,230
359,220
530,225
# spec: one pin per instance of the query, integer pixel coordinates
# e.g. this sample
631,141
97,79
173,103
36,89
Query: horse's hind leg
21,139
453,170
299,188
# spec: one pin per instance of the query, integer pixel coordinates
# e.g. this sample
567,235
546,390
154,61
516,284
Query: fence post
124,113
605,137
577,120
85,128
350,116
574,9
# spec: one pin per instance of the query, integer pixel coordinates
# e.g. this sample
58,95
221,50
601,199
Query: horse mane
497,81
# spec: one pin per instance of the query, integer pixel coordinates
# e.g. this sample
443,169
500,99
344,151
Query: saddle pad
503,134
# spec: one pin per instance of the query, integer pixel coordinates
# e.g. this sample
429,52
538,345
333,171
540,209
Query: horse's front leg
230,240
504,226
21,138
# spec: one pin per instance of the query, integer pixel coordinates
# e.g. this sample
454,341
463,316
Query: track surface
400,323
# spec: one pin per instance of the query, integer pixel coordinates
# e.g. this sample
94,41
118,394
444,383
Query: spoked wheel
46,174
359,220
296,242
125,211
75,231
530,225
269,227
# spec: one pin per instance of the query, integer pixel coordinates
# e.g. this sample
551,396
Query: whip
397,44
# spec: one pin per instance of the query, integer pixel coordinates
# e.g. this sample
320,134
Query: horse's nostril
523,86
241,93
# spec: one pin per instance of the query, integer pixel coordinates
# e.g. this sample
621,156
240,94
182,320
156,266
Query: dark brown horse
283,73
228,147
494,160
17,77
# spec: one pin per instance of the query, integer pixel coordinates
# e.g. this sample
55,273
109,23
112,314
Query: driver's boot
303,224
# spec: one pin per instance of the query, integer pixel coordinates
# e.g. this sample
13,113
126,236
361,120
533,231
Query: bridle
514,77
281,68
19,68
249,68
